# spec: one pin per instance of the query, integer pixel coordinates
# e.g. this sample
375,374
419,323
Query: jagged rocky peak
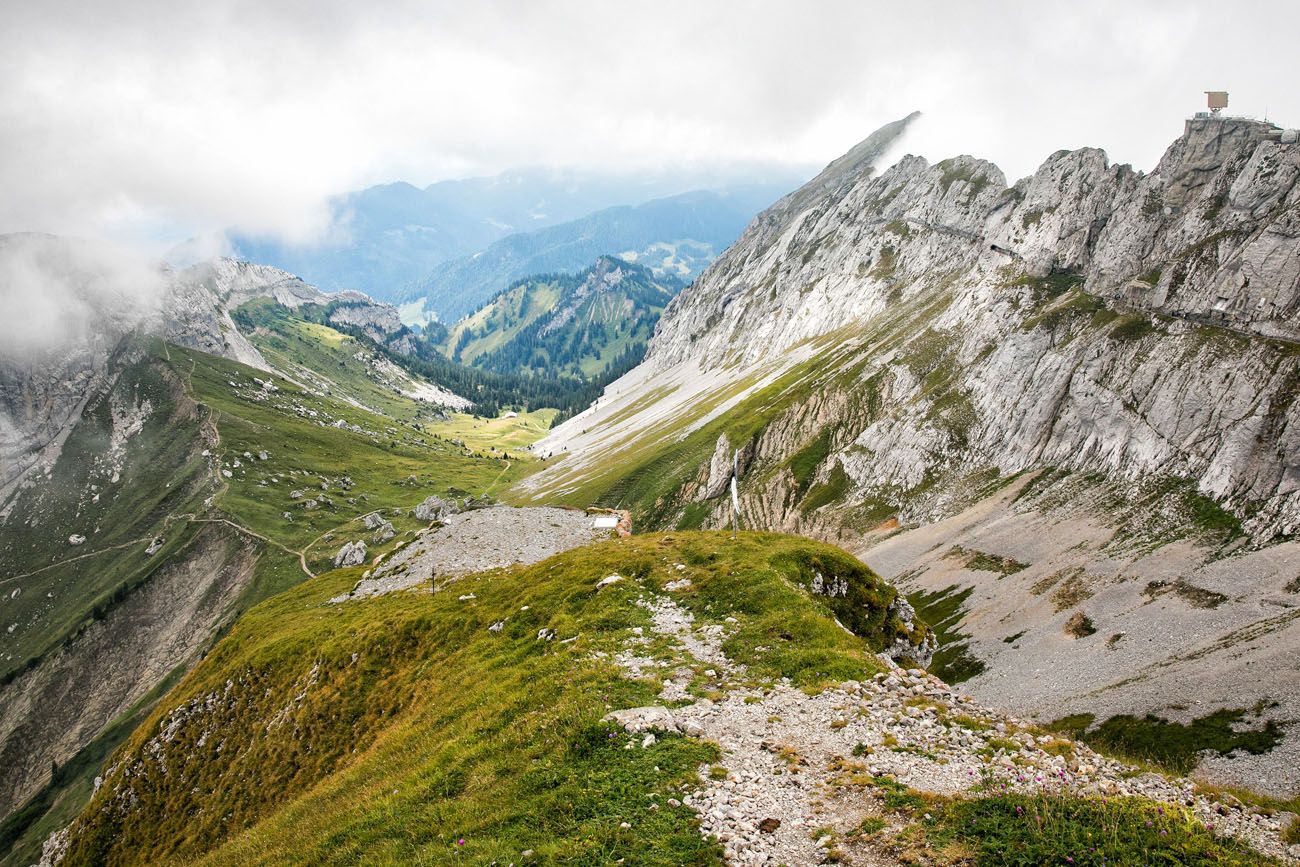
860,160
1209,234
197,311
603,276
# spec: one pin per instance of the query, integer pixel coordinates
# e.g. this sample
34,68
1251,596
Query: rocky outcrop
435,508
351,554
378,321
720,470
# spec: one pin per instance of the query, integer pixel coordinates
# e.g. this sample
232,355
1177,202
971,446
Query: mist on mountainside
56,292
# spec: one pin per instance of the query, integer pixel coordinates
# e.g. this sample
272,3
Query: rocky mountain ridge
43,391
1103,355
1218,209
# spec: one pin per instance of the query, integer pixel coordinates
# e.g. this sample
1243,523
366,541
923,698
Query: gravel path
803,771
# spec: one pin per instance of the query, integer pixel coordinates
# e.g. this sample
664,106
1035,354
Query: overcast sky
134,118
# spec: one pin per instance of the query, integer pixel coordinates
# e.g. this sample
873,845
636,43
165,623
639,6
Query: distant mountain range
580,325
679,236
390,235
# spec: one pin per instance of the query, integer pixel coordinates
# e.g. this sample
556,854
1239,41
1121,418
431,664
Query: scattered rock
639,719
499,536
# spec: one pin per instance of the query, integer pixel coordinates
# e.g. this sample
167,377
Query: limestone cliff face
1211,233
53,710
1053,402
1089,317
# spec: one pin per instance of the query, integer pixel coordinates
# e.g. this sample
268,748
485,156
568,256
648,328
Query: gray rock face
719,470
378,321
351,554
434,509
1217,213
1089,317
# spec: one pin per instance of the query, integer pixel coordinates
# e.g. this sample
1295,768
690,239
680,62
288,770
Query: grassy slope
53,587
399,730
1014,830
507,317
304,452
501,319
165,481
386,730
482,434
58,803
324,357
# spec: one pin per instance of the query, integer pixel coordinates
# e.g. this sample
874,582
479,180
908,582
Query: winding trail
211,432
68,560
504,470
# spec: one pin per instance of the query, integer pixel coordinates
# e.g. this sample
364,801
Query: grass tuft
1171,745
1023,830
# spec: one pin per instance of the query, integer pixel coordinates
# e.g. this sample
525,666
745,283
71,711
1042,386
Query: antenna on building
1217,100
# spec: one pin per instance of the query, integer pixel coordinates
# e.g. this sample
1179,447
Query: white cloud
141,118
58,292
